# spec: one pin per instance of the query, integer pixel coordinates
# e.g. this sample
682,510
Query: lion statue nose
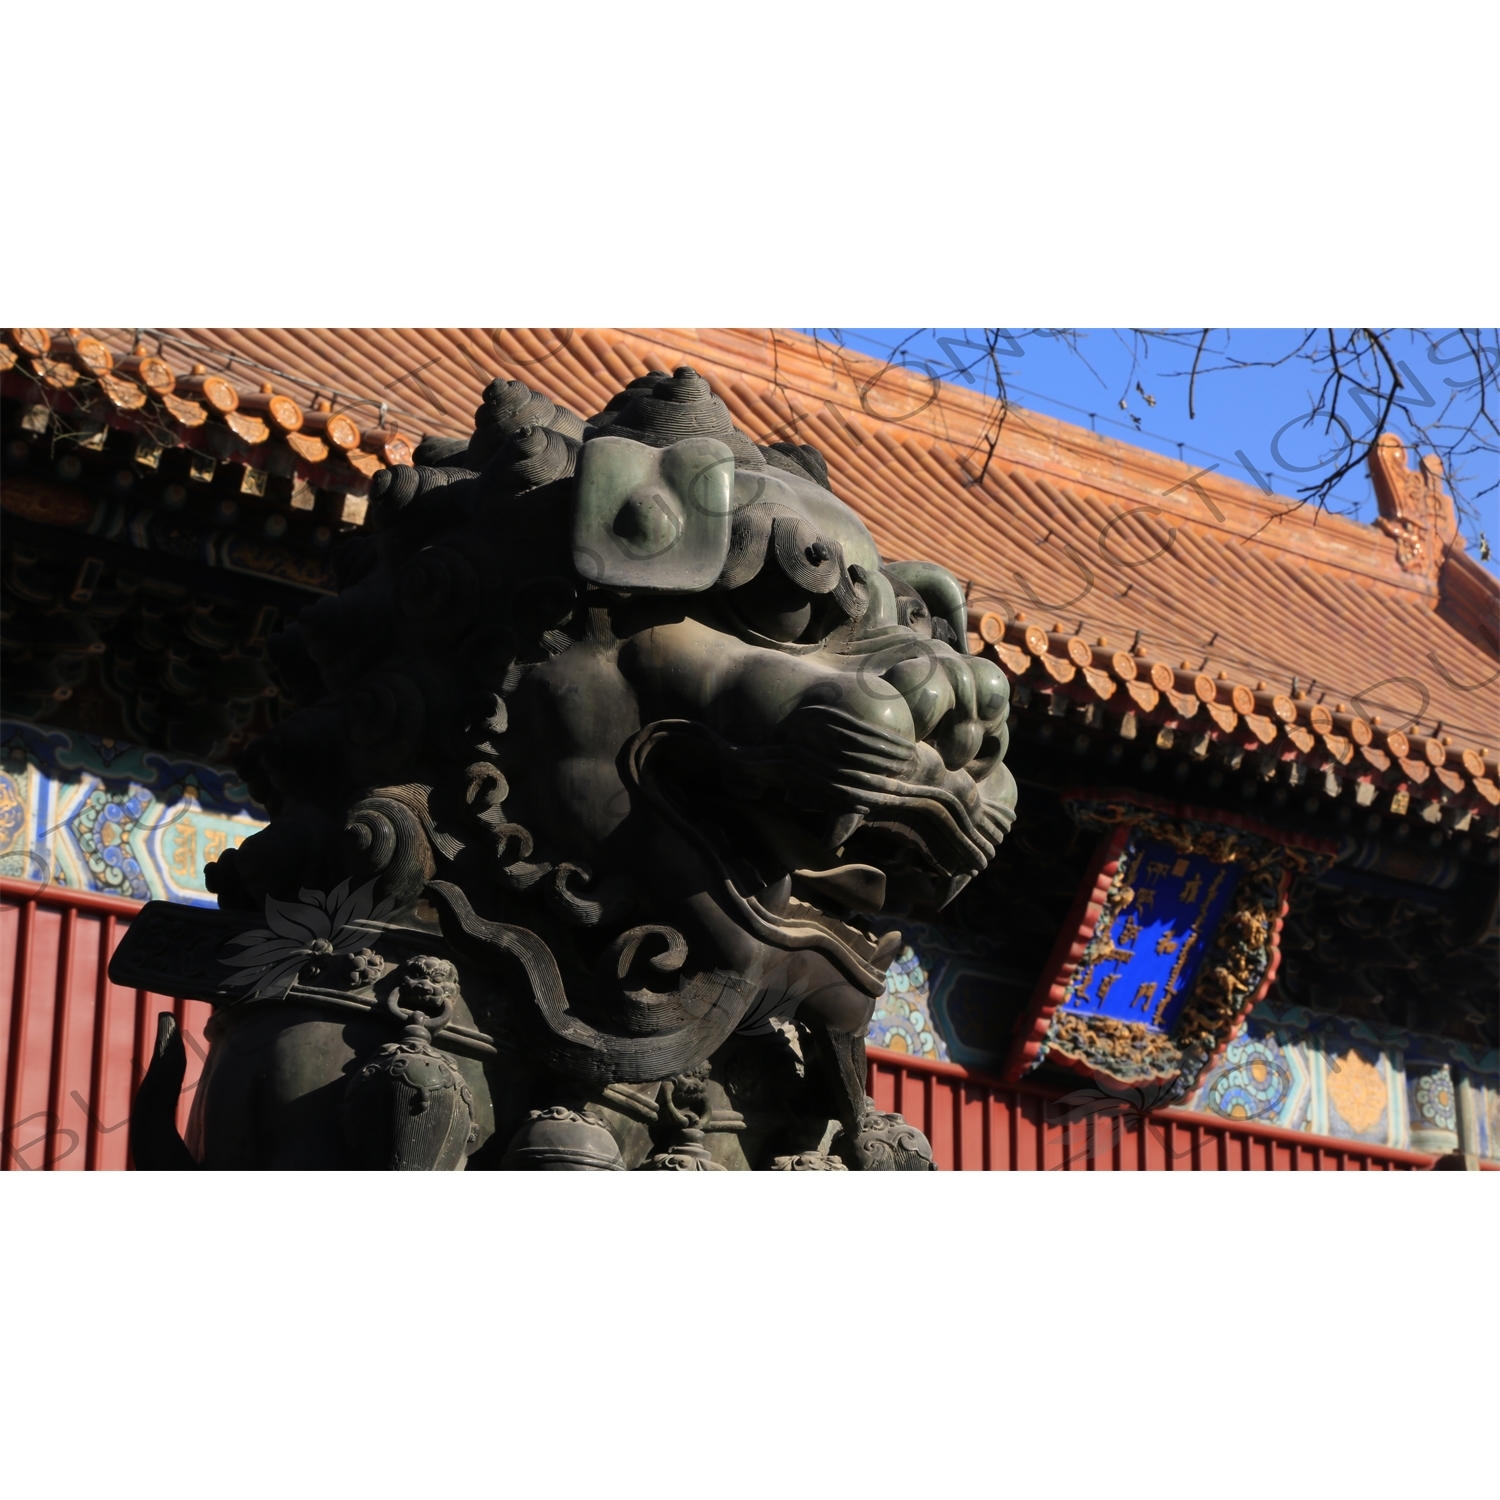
957,703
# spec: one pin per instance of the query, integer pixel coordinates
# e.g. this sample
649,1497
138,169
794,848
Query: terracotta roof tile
1252,586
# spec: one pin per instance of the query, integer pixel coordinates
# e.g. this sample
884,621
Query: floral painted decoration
1434,1097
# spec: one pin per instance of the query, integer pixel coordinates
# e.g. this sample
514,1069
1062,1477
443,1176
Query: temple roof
1096,571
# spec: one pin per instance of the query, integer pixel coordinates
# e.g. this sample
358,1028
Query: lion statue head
633,706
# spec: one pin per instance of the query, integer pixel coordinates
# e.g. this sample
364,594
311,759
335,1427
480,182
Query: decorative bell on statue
408,1108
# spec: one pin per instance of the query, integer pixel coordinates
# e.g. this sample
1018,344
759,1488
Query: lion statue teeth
627,721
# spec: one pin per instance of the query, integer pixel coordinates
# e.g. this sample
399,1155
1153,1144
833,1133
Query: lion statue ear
653,519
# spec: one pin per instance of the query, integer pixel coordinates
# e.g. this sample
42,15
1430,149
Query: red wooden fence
76,1047
976,1123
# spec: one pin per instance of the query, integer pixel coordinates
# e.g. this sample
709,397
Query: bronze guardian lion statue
613,740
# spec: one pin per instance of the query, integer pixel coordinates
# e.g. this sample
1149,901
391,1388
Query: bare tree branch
1193,377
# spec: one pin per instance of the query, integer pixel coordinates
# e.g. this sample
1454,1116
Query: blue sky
1253,414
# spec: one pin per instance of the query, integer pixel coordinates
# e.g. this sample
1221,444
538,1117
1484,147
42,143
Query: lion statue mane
614,740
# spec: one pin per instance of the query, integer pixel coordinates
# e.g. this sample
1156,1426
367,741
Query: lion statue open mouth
626,733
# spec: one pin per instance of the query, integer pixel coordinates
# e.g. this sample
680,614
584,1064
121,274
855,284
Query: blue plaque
1176,939
1158,938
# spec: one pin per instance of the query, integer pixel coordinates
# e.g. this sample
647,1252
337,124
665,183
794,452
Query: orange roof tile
1086,536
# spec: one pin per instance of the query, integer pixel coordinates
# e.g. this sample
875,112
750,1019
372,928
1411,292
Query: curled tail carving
154,1141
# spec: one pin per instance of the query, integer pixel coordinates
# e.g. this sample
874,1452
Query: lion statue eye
914,614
